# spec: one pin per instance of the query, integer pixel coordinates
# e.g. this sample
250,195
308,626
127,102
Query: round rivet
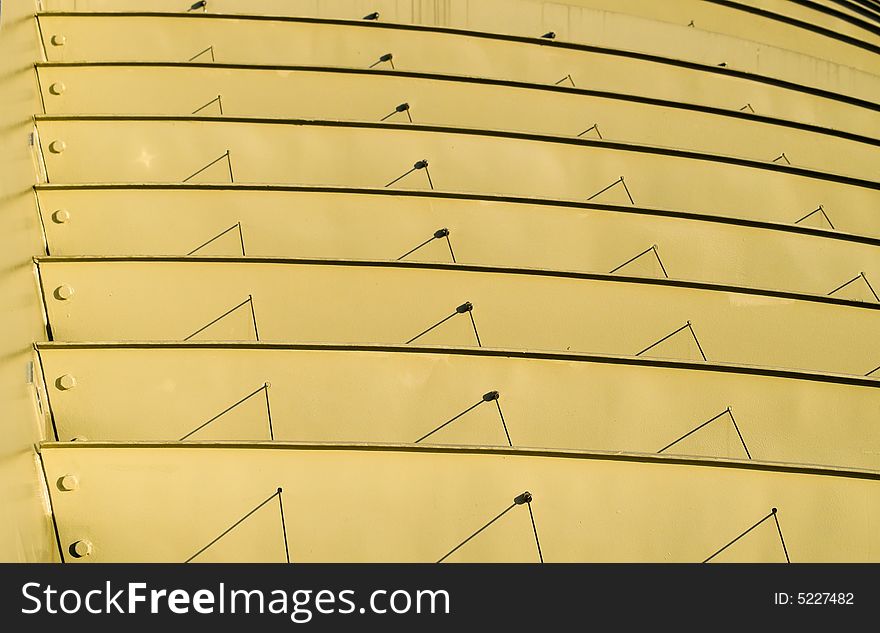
58,40
61,216
65,382
81,548
68,482
57,88
63,292
56,147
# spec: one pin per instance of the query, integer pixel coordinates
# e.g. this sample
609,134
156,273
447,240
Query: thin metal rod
563,79
697,341
781,539
535,530
401,177
213,162
616,182
219,235
460,545
410,252
283,524
631,260
595,126
873,370
819,209
428,174
235,525
225,314
209,49
230,408
740,536
854,279
451,252
450,421
686,325
691,432
506,434
269,414
474,324
219,101
736,426
439,323
254,317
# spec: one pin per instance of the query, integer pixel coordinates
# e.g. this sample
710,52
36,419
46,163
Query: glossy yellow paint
719,33
442,100
351,503
381,224
359,45
747,135
401,393
528,309
169,150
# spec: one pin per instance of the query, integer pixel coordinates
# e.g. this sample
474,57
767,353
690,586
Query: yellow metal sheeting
384,504
381,224
393,302
362,44
401,394
443,100
168,150
690,29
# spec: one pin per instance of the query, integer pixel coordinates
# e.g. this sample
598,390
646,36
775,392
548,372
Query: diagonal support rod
773,512
387,57
854,279
422,164
225,155
218,99
438,234
466,307
264,387
819,209
491,396
522,499
249,300
237,225
277,493
644,252
210,49
727,411
687,326
595,126
403,107
619,181
568,78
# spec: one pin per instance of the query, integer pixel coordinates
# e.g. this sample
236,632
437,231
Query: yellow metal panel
375,155
26,533
718,34
338,393
360,45
439,100
355,504
392,302
377,224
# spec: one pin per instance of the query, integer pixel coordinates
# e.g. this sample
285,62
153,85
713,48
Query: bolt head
81,548
57,88
61,216
65,382
56,147
63,292
58,40
68,483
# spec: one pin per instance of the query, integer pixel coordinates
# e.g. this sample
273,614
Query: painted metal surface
313,93
807,257
361,44
207,149
351,503
529,309
631,268
335,393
